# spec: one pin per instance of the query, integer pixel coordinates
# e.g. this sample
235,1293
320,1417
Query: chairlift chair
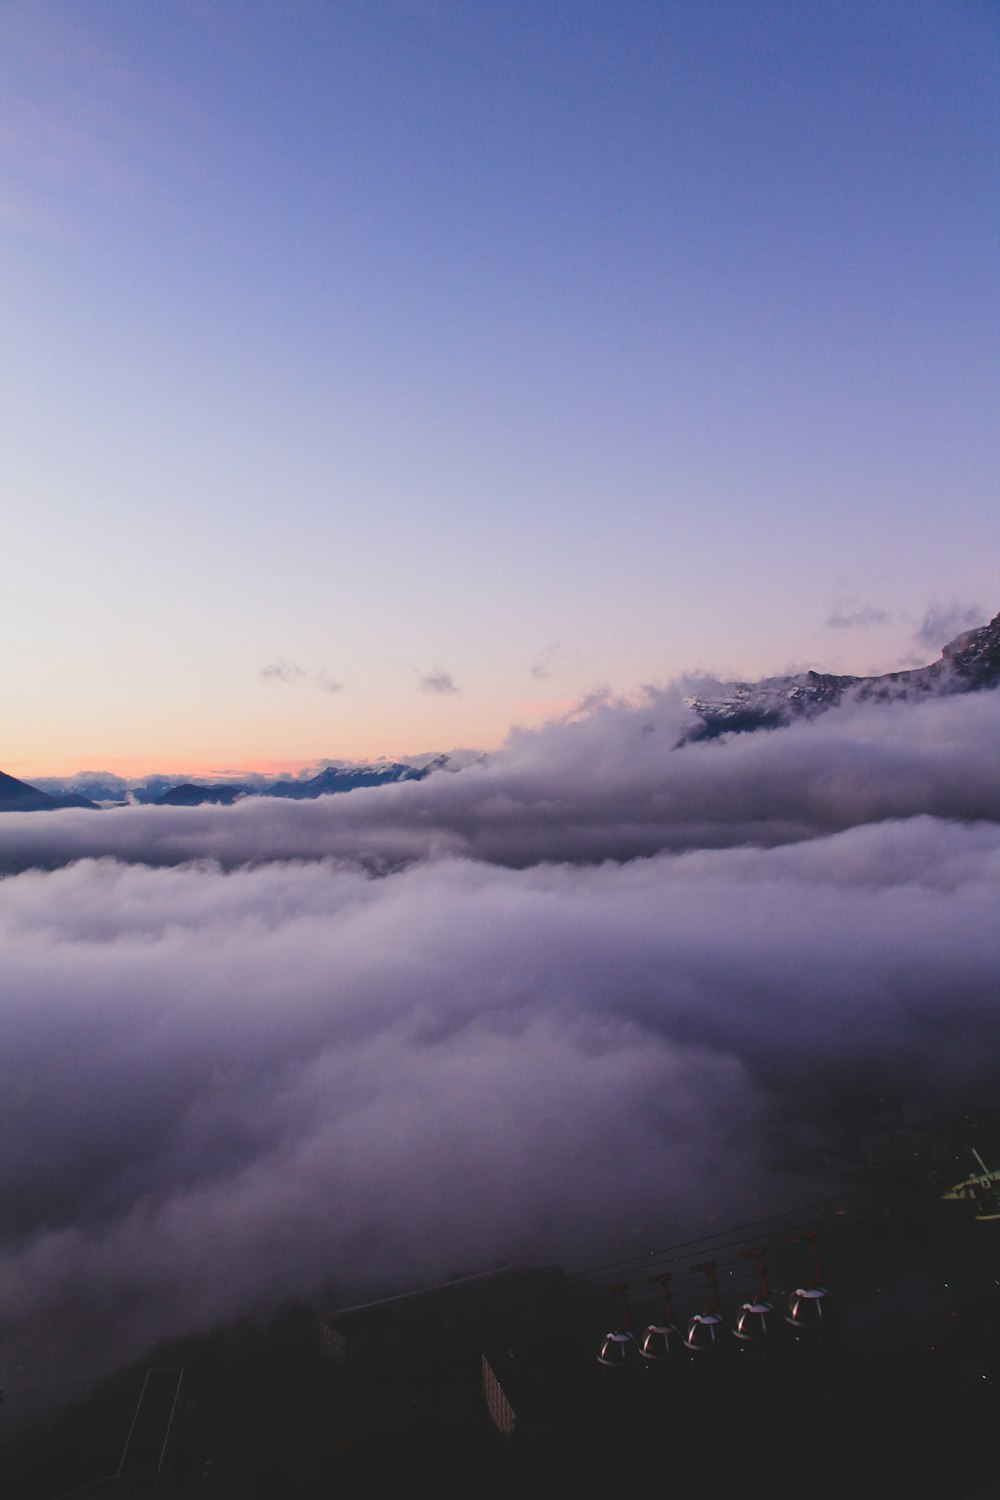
812,1312
758,1326
708,1334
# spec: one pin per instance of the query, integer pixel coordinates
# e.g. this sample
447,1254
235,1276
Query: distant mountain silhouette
18,796
332,779
345,779
192,794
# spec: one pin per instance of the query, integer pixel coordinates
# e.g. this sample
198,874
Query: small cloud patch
290,673
542,668
441,683
845,617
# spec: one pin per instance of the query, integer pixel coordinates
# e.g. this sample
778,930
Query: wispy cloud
847,617
439,682
542,667
290,673
942,622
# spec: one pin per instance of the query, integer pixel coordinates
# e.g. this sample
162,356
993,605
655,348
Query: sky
381,377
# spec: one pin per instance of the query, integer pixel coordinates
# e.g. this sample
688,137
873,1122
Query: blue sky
382,375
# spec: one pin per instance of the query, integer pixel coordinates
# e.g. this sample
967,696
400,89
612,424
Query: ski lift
812,1312
758,1326
661,1341
708,1334
619,1351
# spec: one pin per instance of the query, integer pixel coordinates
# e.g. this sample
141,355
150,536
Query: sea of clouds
594,993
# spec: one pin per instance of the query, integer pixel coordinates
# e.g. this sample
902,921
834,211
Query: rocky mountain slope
970,662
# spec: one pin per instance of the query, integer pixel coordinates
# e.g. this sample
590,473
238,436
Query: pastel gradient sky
380,375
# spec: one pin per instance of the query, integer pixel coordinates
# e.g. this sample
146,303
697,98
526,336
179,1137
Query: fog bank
459,1021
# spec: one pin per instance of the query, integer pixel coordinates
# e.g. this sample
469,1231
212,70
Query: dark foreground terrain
904,1400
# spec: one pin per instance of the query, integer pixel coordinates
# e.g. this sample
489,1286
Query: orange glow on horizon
484,731
138,768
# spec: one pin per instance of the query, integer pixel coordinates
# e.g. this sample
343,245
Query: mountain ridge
968,663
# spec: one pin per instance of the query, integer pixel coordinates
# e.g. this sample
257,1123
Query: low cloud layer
607,784
442,1023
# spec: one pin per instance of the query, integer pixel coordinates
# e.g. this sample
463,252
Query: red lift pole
621,1287
812,1240
665,1279
756,1254
708,1266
